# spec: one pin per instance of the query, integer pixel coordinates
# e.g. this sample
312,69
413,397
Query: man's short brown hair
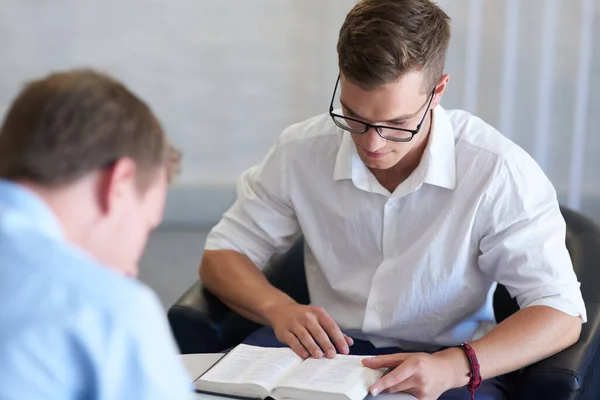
381,40
69,124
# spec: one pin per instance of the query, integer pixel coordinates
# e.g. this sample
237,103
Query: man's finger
387,361
404,386
394,378
334,332
292,341
349,340
322,339
307,341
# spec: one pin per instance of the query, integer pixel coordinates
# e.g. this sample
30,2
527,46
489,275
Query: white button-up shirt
416,268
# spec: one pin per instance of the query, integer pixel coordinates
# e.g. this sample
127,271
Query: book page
253,365
339,375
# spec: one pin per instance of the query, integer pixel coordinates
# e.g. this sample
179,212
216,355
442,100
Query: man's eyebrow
393,120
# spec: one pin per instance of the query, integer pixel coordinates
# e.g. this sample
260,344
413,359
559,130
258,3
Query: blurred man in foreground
84,167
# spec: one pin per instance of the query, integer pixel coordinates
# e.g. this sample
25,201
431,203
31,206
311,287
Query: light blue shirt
69,327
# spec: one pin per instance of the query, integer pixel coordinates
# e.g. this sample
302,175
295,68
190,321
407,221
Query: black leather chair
203,324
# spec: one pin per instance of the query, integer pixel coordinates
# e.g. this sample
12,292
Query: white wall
225,77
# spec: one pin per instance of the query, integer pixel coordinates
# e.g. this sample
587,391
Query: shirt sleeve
262,221
523,243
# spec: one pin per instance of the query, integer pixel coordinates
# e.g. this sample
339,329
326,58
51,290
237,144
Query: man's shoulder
59,278
317,130
480,141
57,302
67,320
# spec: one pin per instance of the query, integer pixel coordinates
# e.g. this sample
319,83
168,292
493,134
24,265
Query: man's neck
392,177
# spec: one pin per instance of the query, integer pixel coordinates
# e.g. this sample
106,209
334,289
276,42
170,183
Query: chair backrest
583,243
287,273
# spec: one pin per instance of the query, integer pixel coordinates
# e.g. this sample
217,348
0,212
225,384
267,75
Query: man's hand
425,376
308,330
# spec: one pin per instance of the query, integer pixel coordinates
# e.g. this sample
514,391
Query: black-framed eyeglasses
395,134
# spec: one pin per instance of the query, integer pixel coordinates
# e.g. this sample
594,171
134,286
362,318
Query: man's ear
439,90
115,182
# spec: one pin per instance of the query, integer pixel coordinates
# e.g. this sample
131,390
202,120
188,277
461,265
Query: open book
257,372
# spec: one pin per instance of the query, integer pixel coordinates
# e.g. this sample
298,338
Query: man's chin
380,164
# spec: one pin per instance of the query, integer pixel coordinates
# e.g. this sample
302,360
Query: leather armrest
561,376
201,323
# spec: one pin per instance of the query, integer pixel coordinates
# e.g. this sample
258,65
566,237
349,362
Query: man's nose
372,141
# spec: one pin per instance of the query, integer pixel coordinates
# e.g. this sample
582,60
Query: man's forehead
411,82
396,100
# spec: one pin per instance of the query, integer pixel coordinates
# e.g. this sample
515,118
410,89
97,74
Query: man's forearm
528,336
240,284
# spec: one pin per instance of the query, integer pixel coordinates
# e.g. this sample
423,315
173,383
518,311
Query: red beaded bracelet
475,374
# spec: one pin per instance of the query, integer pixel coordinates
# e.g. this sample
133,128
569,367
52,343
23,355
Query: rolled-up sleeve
262,221
523,243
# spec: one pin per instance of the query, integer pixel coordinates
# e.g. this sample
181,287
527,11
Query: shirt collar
438,162
348,165
30,208
439,158
345,158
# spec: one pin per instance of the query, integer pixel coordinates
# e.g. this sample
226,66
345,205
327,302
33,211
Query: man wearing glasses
411,215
